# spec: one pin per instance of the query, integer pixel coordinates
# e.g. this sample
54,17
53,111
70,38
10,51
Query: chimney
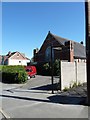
35,51
70,50
49,32
81,42
9,53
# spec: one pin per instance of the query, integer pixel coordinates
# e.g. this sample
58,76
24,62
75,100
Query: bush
65,89
14,74
56,68
45,69
0,68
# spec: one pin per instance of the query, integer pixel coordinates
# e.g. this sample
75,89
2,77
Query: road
33,100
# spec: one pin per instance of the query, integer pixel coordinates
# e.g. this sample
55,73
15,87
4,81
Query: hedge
14,74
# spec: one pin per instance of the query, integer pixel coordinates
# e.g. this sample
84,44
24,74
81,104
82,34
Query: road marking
4,114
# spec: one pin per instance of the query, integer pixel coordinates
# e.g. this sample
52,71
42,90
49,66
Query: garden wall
72,72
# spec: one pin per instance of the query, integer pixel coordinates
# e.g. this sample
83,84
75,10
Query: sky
25,25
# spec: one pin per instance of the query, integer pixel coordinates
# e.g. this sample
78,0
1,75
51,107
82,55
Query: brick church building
63,49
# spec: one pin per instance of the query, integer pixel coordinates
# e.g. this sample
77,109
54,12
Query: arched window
48,54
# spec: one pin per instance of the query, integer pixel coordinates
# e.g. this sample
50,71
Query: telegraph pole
87,16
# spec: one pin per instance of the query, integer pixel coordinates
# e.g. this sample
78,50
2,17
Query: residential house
0,59
14,58
63,49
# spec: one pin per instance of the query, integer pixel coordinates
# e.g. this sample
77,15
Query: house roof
79,49
59,39
13,53
10,54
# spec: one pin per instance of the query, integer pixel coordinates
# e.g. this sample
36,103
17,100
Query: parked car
31,71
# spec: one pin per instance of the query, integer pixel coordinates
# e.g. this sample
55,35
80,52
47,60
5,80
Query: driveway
33,100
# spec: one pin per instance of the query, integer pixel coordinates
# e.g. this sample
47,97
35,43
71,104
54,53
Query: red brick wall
65,54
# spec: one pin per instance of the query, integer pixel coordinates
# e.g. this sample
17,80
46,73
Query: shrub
74,85
79,84
14,74
65,89
56,67
0,68
45,68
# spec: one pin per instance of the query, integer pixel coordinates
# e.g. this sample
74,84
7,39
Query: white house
15,58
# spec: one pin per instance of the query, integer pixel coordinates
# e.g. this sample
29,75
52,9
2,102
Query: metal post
60,74
52,70
76,72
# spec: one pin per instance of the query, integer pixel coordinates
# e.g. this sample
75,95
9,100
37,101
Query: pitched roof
10,54
79,49
13,53
59,39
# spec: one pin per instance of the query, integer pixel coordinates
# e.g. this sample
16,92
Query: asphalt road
34,100
40,83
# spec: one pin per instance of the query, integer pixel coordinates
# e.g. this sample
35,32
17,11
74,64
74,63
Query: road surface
35,100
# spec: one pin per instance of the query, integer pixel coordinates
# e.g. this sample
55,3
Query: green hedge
0,68
14,74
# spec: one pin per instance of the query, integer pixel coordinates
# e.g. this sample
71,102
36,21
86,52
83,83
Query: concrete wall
81,72
72,72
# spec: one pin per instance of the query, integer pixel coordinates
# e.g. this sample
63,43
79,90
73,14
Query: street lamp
59,49
55,48
52,69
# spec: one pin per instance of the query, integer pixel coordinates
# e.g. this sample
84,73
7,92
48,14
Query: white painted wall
72,72
17,62
81,72
67,74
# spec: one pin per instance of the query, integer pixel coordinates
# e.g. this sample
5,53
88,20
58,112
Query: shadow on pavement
46,87
54,99
68,99
25,98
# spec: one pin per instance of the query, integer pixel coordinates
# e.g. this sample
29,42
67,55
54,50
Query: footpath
19,101
76,95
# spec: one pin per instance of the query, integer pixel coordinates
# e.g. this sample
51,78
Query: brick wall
65,54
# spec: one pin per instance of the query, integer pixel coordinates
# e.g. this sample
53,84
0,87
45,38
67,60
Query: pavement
35,100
